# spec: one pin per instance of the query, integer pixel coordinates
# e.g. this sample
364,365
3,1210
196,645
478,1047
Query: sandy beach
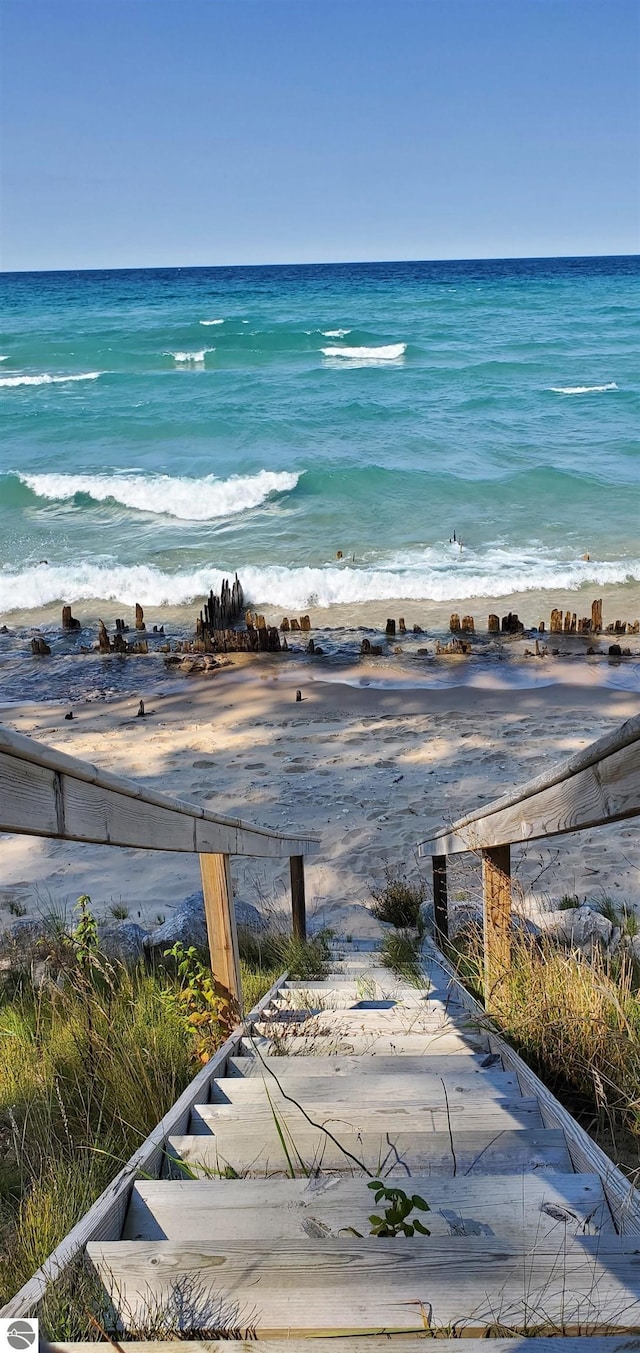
371,767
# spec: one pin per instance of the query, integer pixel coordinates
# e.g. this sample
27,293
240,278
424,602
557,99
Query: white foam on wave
4,359
190,358
210,322
335,333
428,575
46,379
186,499
583,389
371,356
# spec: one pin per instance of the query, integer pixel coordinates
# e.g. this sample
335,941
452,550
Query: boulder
122,942
581,927
187,924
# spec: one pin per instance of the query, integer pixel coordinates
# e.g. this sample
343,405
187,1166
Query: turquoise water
163,428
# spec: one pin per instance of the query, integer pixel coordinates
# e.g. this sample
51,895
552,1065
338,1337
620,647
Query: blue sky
152,132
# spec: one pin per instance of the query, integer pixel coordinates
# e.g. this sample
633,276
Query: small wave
582,389
46,379
190,358
391,352
429,575
186,499
210,322
335,333
4,359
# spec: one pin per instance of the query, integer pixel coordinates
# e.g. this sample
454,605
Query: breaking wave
583,389
335,333
391,352
429,575
186,499
190,358
210,322
46,379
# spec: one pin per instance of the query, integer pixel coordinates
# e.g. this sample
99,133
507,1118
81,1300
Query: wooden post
440,910
221,926
496,894
298,910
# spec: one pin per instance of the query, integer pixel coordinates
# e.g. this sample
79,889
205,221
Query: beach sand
372,769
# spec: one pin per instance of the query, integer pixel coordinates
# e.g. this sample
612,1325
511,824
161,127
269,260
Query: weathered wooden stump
104,643
284,624
401,625
305,622
556,622
454,623
467,624
295,624
68,621
40,647
390,629
596,616
140,625
494,624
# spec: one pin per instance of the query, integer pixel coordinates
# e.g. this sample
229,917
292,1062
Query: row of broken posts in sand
224,626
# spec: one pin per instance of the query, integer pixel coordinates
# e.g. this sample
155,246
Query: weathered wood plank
409,1069
608,792
285,1288
600,784
470,1114
396,1044
383,1090
47,793
298,904
260,1152
219,912
623,1343
496,911
105,1218
586,1155
516,1208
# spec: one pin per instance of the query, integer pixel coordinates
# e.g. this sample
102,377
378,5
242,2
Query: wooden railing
46,793
601,784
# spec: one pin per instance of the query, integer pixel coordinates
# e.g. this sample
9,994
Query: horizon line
311,263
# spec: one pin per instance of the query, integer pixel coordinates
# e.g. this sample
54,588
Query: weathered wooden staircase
257,1224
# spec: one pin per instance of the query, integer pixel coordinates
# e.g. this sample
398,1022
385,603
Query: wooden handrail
44,792
601,784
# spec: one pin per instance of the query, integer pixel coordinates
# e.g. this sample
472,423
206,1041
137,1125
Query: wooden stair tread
363,1064
509,1206
285,1288
259,1151
615,1343
382,1090
339,1043
468,1114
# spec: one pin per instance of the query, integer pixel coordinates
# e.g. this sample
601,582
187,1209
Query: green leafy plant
398,1208
204,1011
119,911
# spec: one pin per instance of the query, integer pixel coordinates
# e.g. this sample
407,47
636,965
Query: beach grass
92,1054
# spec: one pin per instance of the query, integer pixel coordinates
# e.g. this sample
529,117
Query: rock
123,942
187,924
581,927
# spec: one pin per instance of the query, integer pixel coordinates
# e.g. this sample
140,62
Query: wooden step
345,998
340,1044
409,1069
383,1343
470,1114
514,1207
419,1019
259,1151
283,1288
391,1088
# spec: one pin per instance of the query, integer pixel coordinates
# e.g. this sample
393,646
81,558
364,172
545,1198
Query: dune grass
92,1054
576,1021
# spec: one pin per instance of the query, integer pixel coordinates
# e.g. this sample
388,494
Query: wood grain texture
217,888
469,1114
105,1218
613,786
496,912
623,1343
47,793
385,1089
341,1067
513,1207
586,1155
396,1044
284,1288
259,1152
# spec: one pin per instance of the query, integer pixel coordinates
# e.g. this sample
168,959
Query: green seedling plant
398,1208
